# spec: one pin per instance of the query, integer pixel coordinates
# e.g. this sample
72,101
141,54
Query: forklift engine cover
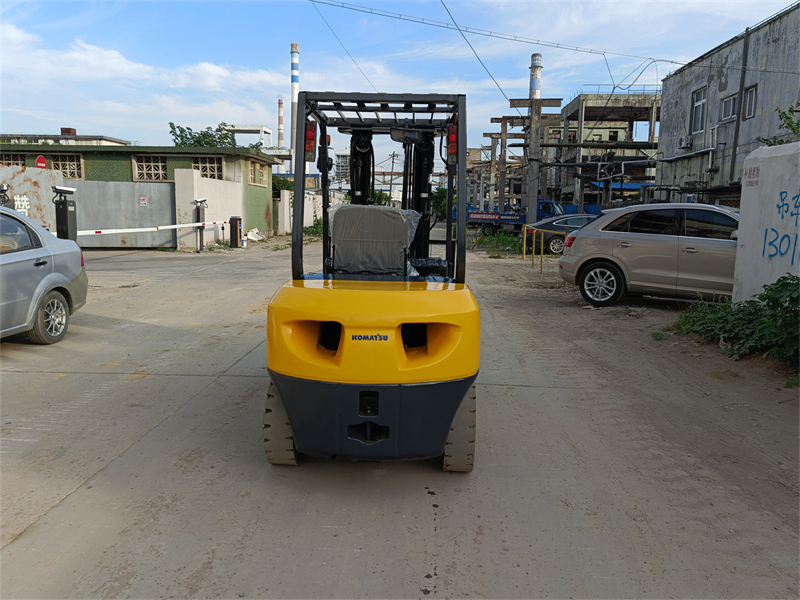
404,357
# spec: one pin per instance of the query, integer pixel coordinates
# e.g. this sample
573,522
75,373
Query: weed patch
315,229
498,243
769,323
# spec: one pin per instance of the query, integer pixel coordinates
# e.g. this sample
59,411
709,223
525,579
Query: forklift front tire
278,436
459,450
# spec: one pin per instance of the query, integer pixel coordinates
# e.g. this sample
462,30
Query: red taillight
81,256
311,141
569,241
452,143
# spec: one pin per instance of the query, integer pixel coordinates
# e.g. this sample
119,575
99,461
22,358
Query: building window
572,137
151,168
613,136
258,175
14,160
210,167
69,165
699,110
750,102
729,107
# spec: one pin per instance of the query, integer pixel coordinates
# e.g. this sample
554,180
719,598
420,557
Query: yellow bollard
541,255
524,240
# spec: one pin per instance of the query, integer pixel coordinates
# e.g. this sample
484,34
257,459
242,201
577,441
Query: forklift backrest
369,239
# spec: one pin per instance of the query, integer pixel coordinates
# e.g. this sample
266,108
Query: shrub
315,229
769,323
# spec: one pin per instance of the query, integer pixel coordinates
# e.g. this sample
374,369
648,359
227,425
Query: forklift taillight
452,144
311,141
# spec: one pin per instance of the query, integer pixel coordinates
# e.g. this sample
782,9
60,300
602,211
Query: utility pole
391,177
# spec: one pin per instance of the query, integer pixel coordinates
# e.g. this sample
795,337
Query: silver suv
676,250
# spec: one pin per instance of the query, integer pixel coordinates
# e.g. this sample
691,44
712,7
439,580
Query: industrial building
716,107
143,186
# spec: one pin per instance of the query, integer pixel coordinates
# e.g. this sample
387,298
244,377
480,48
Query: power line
342,45
535,42
476,54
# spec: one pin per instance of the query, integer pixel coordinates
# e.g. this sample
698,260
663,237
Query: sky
126,69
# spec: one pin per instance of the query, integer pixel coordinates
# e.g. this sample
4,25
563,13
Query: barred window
69,165
151,168
14,160
256,173
209,166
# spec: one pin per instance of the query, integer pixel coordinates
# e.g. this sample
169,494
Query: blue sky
125,69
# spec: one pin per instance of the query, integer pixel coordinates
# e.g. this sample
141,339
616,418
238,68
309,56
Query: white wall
769,237
225,199
284,221
313,205
34,187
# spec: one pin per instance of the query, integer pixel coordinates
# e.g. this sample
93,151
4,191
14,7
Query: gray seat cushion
369,239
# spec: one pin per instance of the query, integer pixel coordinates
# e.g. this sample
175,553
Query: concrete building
143,186
341,173
68,137
597,136
716,107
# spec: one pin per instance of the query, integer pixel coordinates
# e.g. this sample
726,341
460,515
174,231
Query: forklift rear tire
278,436
459,450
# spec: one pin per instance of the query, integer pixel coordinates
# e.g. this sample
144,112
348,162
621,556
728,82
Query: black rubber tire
602,284
489,229
459,449
278,435
52,319
555,245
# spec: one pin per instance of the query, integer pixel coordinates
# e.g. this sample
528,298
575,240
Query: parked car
42,279
556,229
676,250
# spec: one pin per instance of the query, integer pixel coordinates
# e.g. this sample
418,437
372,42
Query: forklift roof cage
416,120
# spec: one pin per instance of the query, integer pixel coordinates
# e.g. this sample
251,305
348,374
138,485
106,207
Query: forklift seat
369,239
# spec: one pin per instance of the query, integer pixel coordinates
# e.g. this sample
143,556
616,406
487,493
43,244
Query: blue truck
491,222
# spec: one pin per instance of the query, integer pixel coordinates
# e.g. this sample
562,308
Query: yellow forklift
374,357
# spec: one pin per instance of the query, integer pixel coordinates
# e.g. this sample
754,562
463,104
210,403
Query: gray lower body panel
371,422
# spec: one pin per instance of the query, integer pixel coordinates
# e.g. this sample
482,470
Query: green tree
281,183
789,123
380,197
207,138
439,202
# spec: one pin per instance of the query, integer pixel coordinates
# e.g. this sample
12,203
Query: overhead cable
314,4
476,54
535,42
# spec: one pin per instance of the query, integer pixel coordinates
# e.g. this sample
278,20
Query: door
24,263
648,249
707,254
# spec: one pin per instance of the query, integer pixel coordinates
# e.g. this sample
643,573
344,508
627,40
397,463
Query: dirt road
609,464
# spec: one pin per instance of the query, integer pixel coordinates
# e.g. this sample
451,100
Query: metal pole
299,191
461,257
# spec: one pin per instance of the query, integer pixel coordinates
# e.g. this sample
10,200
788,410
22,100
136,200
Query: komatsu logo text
370,338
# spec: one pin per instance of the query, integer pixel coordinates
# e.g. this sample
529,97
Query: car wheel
602,284
52,319
489,229
555,245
